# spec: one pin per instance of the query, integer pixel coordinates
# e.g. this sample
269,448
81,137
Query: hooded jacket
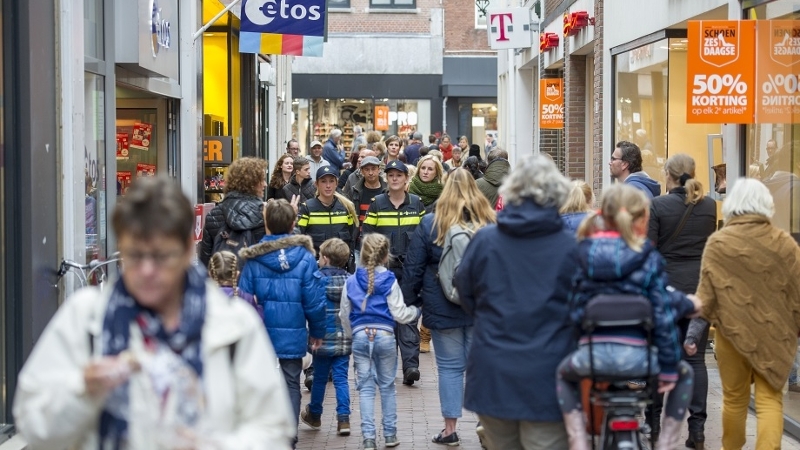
644,183
608,266
573,220
247,404
492,179
514,280
336,342
330,153
281,272
420,281
381,309
240,211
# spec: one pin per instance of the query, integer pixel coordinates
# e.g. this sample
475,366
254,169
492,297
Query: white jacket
247,403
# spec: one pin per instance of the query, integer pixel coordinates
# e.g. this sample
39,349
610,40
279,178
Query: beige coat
750,288
247,404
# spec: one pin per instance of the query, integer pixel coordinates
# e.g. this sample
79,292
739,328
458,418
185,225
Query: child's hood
610,258
280,253
383,280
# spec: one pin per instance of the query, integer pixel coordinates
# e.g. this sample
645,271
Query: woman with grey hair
750,287
514,280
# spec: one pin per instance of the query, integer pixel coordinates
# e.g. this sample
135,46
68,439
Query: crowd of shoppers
345,258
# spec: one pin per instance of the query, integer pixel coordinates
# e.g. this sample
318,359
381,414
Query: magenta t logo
502,18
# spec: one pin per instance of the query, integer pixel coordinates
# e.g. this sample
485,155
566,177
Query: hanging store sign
381,118
721,71
551,103
548,41
282,27
218,149
777,83
575,22
509,28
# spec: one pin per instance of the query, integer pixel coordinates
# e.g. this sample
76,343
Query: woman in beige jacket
162,359
750,288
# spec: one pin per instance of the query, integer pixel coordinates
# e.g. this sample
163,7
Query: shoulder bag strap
678,230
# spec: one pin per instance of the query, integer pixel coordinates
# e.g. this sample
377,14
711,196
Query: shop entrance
146,144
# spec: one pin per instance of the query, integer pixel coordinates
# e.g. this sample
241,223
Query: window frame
339,6
393,5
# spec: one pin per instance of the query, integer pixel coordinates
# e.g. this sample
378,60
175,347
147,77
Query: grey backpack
455,244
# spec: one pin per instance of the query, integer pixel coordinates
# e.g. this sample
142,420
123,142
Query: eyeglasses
159,259
293,148
613,158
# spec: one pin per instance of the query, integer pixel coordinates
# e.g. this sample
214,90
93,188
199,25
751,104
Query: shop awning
469,77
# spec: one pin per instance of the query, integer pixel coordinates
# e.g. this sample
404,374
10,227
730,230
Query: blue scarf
122,311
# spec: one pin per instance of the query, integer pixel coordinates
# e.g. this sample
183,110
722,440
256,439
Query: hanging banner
778,71
142,132
551,103
721,71
381,118
282,27
123,144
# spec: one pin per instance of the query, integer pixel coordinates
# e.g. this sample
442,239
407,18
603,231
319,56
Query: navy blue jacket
420,282
330,153
609,266
281,272
515,281
573,220
644,183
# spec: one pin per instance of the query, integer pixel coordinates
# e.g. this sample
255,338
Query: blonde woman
427,182
329,214
579,202
460,203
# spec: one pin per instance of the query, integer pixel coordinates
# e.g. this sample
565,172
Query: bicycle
92,274
621,428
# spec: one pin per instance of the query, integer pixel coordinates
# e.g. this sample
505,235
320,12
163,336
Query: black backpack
232,241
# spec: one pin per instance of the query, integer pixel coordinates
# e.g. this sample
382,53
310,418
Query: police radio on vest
262,12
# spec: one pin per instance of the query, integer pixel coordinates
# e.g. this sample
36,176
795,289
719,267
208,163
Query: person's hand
690,348
698,305
102,376
316,343
665,386
295,200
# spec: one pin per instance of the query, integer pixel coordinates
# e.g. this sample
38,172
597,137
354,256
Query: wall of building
461,36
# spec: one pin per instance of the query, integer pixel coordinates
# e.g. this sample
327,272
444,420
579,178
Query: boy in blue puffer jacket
371,303
334,354
618,259
281,272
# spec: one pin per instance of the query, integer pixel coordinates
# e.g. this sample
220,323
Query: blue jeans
452,348
376,363
338,366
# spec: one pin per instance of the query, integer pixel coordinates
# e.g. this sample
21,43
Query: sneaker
392,441
343,426
309,381
312,420
410,375
425,347
480,432
451,440
369,444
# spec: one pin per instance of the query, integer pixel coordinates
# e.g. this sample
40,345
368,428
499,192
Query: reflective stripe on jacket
397,224
322,222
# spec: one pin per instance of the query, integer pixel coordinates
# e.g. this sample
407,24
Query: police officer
329,214
396,215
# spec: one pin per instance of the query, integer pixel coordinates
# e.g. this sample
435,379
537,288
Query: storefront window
651,109
484,125
94,166
93,29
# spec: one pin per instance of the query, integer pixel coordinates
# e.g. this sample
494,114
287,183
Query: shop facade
469,90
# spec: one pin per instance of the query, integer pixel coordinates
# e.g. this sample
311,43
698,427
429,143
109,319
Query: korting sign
509,28
551,103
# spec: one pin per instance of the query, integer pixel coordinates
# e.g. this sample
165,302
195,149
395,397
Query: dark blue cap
396,165
326,170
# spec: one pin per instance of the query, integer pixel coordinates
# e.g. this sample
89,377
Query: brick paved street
419,417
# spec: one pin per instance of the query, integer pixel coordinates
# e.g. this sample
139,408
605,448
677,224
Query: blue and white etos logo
263,12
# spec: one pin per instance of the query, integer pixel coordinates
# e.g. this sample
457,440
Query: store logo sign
298,17
160,29
784,41
720,43
509,28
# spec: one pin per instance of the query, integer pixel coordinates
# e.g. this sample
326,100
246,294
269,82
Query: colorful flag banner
282,27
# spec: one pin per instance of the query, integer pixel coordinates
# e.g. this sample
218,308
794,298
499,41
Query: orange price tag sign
551,103
381,118
778,71
721,73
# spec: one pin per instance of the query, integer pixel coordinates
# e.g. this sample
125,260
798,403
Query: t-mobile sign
509,28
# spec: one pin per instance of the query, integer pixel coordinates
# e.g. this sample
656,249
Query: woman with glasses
240,210
162,359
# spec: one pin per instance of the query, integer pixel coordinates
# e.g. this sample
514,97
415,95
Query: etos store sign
743,71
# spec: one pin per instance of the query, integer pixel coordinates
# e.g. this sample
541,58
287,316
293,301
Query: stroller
620,402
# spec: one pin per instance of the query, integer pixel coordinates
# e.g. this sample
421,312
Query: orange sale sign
721,73
551,103
381,118
778,71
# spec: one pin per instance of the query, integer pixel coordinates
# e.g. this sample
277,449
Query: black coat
515,281
306,190
240,211
684,253
420,282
